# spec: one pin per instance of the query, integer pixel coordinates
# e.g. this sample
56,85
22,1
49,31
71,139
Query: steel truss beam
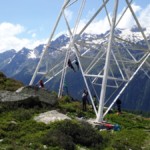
109,53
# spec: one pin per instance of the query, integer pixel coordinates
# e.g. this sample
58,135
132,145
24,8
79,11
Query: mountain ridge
23,63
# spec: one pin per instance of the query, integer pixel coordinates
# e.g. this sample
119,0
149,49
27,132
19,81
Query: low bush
11,126
65,99
56,138
12,85
70,107
23,115
2,75
8,83
126,139
2,134
81,132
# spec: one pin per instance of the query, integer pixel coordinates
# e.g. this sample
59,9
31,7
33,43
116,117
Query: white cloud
102,25
33,35
145,17
10,33
8,29
9,37
127,20
97,27
90,13
68,14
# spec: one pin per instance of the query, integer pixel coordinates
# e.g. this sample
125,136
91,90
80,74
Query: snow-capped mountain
14,63
6,57
21,65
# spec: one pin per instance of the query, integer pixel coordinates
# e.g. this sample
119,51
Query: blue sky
27,23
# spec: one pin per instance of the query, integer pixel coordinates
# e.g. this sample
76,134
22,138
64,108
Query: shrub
2,75
69,107
57,138
8,83
12,85
129,139
2,107
81,133
2,134
11,126
23,115
65,99
54,93
88,136
2,85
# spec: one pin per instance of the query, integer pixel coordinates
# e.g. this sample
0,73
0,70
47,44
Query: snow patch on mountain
129,35
27,59
99,41
31,55
64,47
11,59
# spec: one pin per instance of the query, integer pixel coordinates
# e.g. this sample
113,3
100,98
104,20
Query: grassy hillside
19,131
8,83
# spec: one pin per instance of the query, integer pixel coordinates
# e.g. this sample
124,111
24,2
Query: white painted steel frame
49,41
106,68
122,90
104,82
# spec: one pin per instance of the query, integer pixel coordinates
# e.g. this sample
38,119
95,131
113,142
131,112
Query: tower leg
49,41
106,68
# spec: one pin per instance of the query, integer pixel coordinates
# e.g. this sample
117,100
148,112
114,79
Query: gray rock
28,92
50,116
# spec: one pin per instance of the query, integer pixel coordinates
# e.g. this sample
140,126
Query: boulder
28,92
50,116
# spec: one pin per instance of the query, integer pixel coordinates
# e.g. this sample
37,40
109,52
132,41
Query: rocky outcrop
28,92
12,96
50,116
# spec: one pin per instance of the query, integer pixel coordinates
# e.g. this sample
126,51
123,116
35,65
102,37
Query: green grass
134,133
8,83
74,108
129,121
19,131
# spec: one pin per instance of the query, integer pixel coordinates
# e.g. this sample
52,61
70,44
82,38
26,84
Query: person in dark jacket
84,99
77,63
95,100
41,83
118,103
70,65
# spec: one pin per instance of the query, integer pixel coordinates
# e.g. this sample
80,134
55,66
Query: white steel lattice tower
110,62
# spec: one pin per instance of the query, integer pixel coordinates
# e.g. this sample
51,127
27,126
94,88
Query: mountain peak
136,29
